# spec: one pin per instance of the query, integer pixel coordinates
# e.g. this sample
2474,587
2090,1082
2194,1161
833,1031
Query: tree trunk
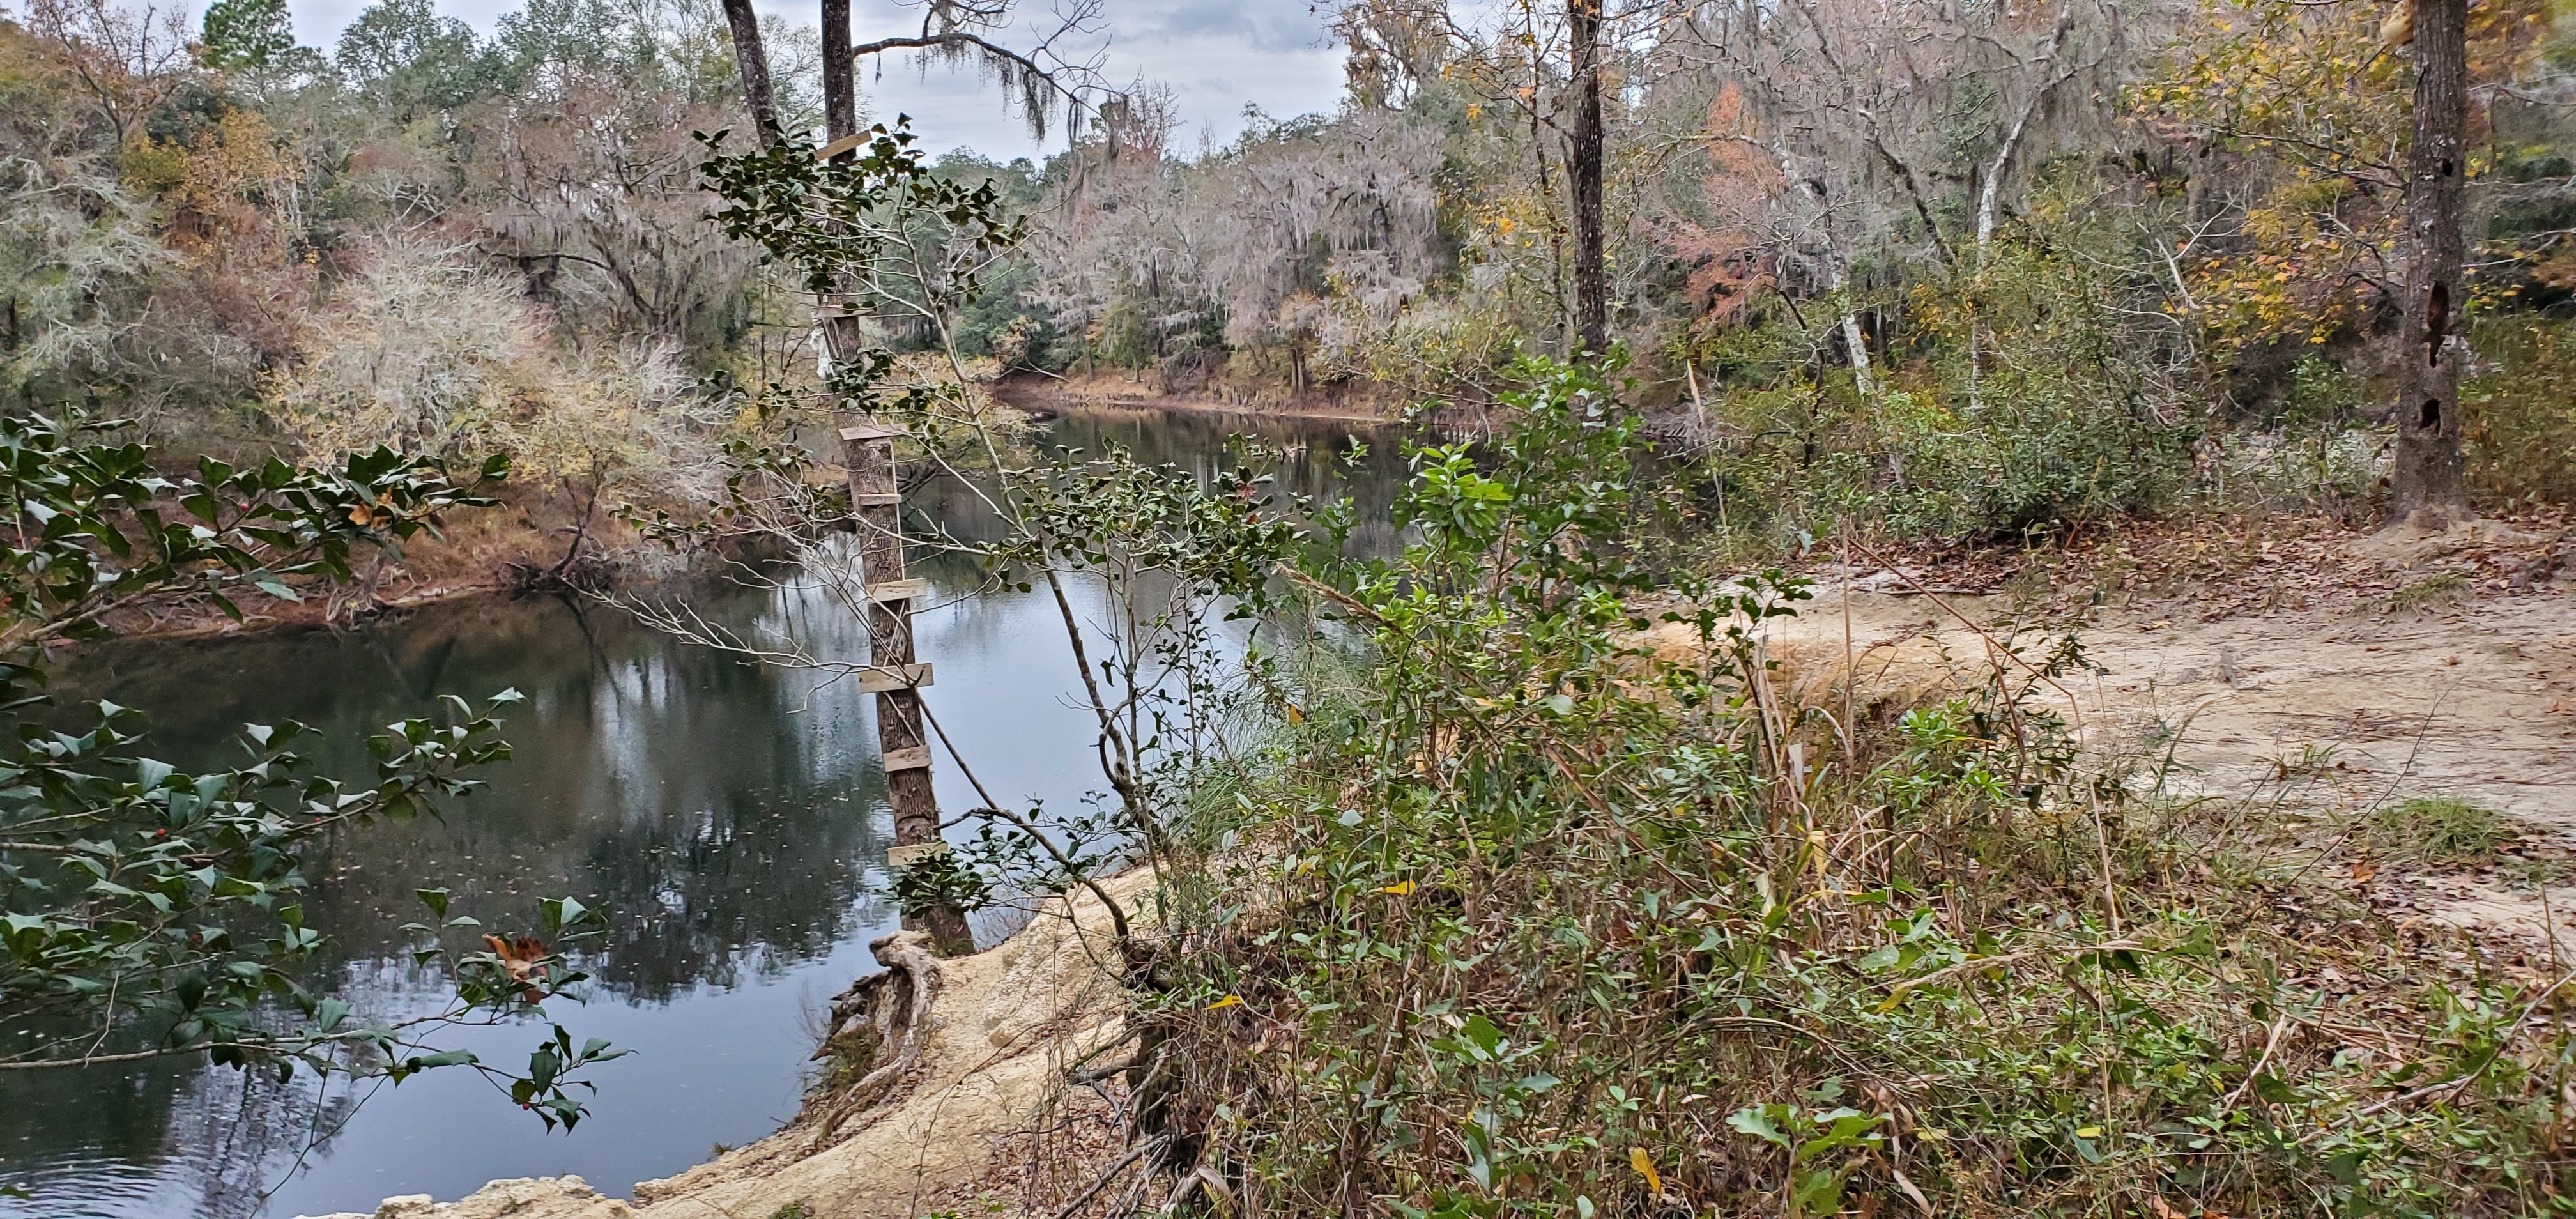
840,75
902,738
2430,486
754,63
879,1027
1837,271
1583,167
1990,196
841,326
1856,348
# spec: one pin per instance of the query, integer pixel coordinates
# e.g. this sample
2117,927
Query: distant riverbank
1041,394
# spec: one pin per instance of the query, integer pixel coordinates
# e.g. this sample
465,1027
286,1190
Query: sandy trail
2341,708
2474,703
2476,700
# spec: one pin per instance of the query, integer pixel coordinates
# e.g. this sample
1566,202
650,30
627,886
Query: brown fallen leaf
520,956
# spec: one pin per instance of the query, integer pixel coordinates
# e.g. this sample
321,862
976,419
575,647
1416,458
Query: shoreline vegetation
1044,396
520,545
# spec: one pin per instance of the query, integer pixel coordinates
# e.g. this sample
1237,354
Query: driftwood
877,1031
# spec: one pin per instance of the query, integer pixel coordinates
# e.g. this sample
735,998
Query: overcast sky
1217,56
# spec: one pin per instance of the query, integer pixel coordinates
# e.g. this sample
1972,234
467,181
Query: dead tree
2429,485
1036,81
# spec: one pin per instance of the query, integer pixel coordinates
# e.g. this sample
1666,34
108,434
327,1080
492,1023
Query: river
730,818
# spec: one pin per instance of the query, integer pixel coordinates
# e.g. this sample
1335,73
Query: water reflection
1313,457
730,818
661,778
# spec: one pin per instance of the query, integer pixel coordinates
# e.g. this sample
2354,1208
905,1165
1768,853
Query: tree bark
754,62
1583,169
1990,196
2430,485
840,75
841,327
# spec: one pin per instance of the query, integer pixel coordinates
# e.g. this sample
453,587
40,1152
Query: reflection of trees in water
242,1131
1311,456
123,1114
723,816
713,808
1311,463
214,1140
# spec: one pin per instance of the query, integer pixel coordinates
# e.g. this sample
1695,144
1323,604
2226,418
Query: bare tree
1548,67
1885,120
1060,69
128,59
1292,238
595,200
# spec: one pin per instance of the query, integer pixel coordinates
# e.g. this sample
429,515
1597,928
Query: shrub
2071,414
2521,419
1543,922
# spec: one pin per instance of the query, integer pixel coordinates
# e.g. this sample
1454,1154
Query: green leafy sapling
147,912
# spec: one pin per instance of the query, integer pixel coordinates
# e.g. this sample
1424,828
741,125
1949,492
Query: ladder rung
906,856
878,499
898,590
878,679
915,758
847,143
867,431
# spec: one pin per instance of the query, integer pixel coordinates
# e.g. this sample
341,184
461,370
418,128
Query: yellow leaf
1228,1001
1645,1166
1400,888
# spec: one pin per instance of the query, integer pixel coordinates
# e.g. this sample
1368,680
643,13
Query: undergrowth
2437,591
2435,830
1529,920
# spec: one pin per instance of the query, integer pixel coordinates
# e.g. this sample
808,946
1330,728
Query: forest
1674,608
1970,273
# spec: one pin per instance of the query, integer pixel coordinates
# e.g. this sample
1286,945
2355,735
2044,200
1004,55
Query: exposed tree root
878,1028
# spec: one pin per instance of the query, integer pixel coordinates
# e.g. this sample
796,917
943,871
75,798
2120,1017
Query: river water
730,818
